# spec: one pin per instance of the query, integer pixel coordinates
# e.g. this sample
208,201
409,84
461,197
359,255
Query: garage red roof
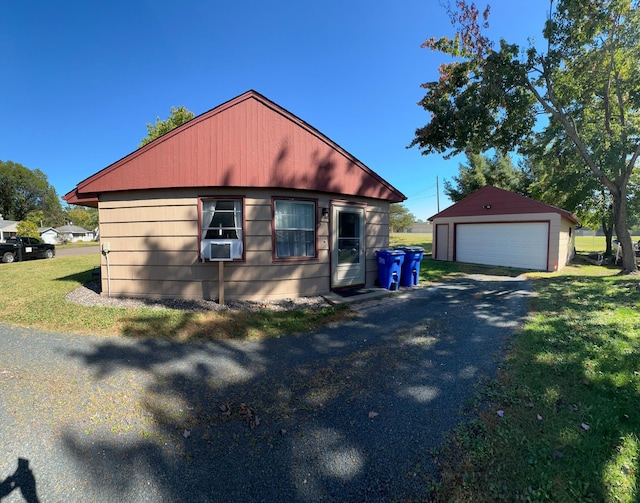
491,200
248,141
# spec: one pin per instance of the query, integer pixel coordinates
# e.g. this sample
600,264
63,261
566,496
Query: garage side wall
154,243
566,245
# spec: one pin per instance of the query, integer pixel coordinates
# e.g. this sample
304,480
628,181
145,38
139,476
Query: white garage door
521,245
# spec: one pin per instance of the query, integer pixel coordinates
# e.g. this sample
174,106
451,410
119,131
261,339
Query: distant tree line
539,177
27,196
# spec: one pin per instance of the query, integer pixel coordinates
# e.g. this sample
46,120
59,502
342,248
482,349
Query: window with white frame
221,222
295,229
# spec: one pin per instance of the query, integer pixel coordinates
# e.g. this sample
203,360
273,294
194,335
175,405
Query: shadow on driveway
347,413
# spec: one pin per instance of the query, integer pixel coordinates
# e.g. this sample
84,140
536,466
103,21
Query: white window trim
207,215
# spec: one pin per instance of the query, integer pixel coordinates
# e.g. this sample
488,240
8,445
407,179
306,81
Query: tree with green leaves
400,218
87,218
28,229
560,177
585,83
35,216
480,170
177,117
23,190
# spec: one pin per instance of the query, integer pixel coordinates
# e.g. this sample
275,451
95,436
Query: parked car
21,248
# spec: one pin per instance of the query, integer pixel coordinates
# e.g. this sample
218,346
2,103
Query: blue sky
81,79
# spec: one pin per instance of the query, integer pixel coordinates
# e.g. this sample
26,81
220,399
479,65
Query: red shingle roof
491,200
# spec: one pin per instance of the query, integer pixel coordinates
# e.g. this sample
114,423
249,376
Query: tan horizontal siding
148,214
258,228
209,272
376,242
162,258
377,217
265,258
146,228
151,244
249,290
258,212
155,243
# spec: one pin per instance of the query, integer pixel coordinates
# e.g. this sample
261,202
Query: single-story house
288,211
49,235
496,227
74,233
8,228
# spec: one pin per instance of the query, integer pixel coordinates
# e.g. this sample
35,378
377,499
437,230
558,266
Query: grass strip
561,422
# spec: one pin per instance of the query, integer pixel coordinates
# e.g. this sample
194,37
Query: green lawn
588,244
412,239
33,294
562,422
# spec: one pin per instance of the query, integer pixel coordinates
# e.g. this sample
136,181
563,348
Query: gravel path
347,413
90,295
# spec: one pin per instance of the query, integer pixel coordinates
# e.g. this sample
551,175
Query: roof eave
75,197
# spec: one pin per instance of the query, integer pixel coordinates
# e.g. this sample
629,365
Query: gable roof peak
248,141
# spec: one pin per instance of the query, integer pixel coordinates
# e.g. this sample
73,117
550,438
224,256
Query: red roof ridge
491,191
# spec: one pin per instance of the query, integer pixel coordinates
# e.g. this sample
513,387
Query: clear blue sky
81,79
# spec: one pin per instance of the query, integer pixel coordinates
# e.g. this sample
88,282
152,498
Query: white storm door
347,242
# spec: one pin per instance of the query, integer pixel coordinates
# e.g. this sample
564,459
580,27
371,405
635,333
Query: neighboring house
497,227
49,235
74,233
249,181
8,228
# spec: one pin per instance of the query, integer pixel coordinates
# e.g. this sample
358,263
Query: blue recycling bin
411,266
390,268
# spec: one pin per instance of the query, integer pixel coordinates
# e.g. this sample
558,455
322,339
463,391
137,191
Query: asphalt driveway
347,413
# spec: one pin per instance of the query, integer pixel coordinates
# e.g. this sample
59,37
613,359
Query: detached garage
497,227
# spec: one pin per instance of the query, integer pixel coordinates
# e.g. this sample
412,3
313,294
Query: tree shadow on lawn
347,413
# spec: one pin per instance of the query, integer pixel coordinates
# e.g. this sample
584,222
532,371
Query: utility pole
438,194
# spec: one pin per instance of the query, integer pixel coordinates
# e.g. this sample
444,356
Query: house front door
347,246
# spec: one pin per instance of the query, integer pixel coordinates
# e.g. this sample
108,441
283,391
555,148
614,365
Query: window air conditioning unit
220,251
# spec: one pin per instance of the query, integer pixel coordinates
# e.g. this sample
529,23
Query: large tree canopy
87,218
23,190
177,117
584,83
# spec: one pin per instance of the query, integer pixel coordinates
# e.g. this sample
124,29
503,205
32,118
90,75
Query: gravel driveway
347,413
